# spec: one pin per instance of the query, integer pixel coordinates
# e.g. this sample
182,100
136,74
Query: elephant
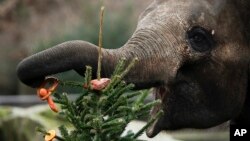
193,53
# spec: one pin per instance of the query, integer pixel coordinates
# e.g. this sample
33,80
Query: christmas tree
103,109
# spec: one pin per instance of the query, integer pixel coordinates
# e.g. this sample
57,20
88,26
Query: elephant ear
246,109
243,8
244,117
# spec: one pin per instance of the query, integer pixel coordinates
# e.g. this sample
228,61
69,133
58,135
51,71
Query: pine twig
151,121
88,76
100,44
132,63
71,84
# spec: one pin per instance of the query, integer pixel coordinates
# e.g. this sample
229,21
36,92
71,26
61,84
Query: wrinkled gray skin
199,88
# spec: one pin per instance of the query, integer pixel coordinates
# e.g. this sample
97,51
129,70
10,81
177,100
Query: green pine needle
104,115
158,115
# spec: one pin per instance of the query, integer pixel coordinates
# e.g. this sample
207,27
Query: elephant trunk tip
25,75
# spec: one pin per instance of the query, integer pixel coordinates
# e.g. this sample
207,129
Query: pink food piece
99,84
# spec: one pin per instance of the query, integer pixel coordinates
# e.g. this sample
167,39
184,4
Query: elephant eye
200,39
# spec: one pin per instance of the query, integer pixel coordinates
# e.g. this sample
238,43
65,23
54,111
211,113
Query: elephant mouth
159,93
181,88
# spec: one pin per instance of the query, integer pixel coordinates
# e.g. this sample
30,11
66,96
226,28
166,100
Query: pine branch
132,63
88,76
102,115
158,115
100,44
119,67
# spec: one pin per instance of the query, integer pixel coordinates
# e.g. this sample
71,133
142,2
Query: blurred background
29,26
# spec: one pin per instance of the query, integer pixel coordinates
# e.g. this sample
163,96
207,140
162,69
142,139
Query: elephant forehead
214,6
180,14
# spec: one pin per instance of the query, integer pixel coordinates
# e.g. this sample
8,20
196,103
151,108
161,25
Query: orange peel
44,93
50,136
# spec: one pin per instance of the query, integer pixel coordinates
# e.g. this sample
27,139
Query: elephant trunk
145,45
152,50
63,57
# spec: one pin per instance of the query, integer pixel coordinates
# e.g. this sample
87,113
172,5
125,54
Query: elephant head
195,53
